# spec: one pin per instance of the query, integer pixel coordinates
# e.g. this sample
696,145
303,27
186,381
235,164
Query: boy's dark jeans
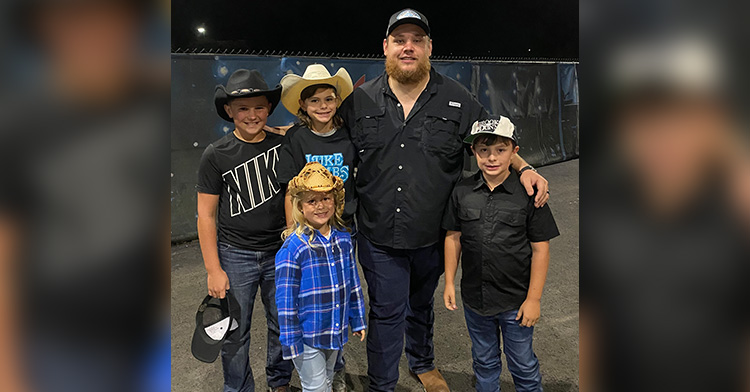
401,285
485,351
247,270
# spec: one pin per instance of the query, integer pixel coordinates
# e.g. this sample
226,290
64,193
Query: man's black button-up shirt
408,166
497,228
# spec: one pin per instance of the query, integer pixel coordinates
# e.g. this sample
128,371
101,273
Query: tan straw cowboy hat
292,85
316,178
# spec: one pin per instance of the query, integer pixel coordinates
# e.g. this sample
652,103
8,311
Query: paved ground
556,335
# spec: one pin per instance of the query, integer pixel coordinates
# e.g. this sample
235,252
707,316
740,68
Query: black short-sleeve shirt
251,206
408,166
335,152
497,228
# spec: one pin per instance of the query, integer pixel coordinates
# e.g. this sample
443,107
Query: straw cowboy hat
292,85
314,177
244,83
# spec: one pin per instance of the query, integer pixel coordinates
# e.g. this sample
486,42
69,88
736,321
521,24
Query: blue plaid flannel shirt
318,293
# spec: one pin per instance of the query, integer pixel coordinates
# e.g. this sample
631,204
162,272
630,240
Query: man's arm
530,310
452,253
218,282
356,299
530,179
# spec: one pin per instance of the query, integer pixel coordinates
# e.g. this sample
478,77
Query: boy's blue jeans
485,334
247,270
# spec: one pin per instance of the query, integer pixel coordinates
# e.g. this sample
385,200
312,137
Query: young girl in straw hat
318,293
319,135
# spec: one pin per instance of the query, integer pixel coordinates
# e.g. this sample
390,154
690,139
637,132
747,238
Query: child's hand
529,312
361,335
449,296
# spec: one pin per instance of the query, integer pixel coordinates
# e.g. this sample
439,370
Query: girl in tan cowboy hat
319,135
318,293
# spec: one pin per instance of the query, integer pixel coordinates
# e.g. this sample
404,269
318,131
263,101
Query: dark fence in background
540,98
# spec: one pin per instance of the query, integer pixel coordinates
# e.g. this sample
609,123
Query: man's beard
407,77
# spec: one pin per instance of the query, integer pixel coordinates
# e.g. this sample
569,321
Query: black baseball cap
215,320
408,15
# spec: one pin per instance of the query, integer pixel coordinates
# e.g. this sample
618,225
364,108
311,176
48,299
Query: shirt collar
331,236
508,186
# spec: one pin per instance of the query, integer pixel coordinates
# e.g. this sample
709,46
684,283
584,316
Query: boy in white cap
505,244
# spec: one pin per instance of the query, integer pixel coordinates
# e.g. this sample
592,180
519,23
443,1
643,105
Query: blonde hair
303,227
308,92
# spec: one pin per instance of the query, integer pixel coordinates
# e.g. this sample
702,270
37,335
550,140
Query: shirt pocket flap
469,214
445,114
367,135
510,218
370,112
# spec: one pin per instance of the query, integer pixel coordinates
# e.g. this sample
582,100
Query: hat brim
221,97
470,139
292,86
414,21
203,347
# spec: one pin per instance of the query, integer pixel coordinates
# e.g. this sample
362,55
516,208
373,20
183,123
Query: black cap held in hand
215,320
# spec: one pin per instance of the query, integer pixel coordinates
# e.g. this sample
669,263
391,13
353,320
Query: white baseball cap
499,126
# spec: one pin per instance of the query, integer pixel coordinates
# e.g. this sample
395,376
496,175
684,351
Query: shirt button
337,305
336,286
402,145
332,264
337,324
398,210
404,123
398,189
400,167
398,104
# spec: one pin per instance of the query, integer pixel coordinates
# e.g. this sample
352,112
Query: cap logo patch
408,14
486,125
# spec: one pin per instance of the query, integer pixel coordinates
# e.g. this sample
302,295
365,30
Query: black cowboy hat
244,83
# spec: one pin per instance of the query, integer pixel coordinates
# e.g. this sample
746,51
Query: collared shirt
408,166
497,228
318,294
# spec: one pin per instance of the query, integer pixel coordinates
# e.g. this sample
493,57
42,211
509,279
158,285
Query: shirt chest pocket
469,218
509,224
366,133
441,131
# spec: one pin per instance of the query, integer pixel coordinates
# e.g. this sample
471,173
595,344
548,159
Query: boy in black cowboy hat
237,181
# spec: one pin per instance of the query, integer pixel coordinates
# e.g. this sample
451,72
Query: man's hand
529,312
361,335
218,283
530,180
280,130
449,296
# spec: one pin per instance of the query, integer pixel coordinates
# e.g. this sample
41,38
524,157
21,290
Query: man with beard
407,126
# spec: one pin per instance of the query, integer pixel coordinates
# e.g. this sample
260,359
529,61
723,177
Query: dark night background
499,29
